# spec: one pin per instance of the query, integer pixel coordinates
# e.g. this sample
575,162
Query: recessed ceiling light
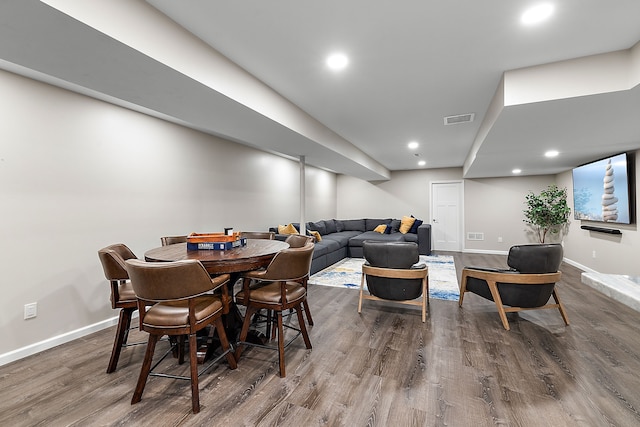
537,14
413,145
422,163
337,61
516,171
551,153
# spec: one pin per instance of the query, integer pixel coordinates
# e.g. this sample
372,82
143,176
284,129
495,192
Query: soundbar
600,229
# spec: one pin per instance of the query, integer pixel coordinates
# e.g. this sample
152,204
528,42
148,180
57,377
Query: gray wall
77,174
614,254
493,206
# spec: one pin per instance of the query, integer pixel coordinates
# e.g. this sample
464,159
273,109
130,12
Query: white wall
78,174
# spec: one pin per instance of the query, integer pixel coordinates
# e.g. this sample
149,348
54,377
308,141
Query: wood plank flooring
381,368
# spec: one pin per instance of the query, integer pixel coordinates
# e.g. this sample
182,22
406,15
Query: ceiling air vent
460,118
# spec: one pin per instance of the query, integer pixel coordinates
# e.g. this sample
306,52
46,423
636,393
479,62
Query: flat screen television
601,190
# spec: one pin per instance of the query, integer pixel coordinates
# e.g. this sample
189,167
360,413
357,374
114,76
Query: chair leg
124,321
563,313
303,328
361,291
463,289
222,336
493,287
281,344
307,311
146,368
268,332
244,332
193,362
425,296
180,345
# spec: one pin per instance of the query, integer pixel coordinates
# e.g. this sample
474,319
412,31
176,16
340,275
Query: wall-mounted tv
601,190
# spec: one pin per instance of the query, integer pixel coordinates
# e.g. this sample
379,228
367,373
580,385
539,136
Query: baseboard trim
34,348
485,251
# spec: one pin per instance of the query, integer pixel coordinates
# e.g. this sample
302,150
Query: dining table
256,254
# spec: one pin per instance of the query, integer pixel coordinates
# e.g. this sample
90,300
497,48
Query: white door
446,215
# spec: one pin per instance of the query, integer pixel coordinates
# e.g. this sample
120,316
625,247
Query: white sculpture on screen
609,200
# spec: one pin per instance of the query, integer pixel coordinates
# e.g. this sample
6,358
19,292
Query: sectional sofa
338,239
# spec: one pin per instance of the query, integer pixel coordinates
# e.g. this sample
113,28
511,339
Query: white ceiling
412,62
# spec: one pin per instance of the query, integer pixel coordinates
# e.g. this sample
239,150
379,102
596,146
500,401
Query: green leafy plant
547,212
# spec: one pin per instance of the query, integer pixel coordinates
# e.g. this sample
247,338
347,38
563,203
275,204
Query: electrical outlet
499,239
30,310
593,255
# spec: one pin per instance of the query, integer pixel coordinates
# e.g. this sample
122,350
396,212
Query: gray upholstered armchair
527,284
392,273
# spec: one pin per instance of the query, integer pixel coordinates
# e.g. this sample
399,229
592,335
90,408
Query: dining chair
298,241
172,240
113,259
278,289
176,299
265,235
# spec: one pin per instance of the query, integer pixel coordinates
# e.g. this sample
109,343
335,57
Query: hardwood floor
383,367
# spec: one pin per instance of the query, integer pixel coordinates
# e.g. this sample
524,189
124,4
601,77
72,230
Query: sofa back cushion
317,226
354,225
371,223
395,226
330,225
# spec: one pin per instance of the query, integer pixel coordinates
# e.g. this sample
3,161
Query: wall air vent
460,118
475,236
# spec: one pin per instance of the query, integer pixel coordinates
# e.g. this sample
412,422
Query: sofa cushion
320,249
411,237
339,225
371,223
287,229
317,226
395,225
417,223
354,225
332,245
342,237
406,223
380,229
330,225
372,235
316,235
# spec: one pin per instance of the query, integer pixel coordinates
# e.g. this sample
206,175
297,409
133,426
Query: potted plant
547,212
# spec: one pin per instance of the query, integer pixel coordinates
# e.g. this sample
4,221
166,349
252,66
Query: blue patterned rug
443,282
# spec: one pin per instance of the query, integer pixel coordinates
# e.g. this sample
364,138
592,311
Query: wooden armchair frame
396,273
493,278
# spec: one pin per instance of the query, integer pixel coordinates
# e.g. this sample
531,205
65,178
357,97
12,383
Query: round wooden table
256,254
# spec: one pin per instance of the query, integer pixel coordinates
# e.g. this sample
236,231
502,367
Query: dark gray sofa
343,238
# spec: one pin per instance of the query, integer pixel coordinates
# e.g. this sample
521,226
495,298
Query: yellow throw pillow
405,224
287,229
316,234
380,229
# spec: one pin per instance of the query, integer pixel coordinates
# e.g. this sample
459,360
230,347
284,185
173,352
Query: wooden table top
256,254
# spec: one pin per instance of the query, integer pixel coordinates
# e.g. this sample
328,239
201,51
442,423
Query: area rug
443,282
